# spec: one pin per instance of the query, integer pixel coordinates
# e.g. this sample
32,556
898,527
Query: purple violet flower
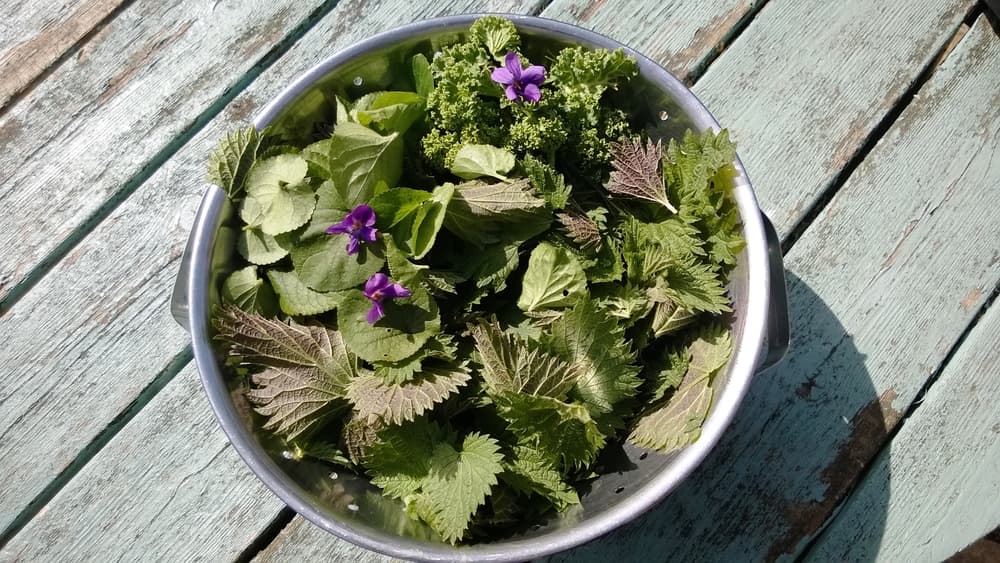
522,84
359,224
379,288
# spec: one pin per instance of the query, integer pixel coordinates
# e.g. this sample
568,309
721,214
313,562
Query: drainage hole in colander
619,490
643,456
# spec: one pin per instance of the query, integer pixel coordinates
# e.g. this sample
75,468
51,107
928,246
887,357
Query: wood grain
302,541
807,82
168,487
881,286
943,468
942,473
34,35
678,35
103,115
80,346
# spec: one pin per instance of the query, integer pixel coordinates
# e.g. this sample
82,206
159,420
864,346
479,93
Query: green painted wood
807,82
98,119
881,286
34,35
302,541
678,35
942,473
83,344
168,487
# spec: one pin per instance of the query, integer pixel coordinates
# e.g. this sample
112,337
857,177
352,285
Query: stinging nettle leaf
530,470
581,229
306,369
474,161
397,403
554,279
637,171
232,158
279,199
484,214
547,182
553,426
296,298
440,347
248,292
512,365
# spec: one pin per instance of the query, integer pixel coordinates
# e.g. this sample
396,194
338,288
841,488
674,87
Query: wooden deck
871,131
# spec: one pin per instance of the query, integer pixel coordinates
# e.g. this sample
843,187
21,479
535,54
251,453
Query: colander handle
179,298
776,343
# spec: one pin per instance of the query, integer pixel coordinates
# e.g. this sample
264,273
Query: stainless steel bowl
349,506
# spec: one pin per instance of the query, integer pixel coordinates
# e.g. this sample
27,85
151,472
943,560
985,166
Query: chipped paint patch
971,299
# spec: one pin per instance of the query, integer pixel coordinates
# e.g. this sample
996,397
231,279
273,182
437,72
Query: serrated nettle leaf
306,369
279,198
551,425
607,265
628,303
408,324
358,436
529,470
581,229
637,171
397,403
259,248
458,483
596,344
483,214
399,458
323,263
322,451
710,351
232,159
248,292
356,159
391,111
493,265
423,82
296,298
514,365
694,285
440,347
474,161
668,318
668,371
554,279
678,422
547,182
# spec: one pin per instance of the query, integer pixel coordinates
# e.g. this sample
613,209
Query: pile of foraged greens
548,281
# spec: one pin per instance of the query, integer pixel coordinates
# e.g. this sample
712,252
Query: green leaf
637,171
259,248
306,369
493,265
408,323
391,111
550,425
232,158
422,79
331,207
512,365
248,292
596,344
495,33
279,199
399,458
413,217
483,214
530,470
547,181
668,318
677,422
458,483
440,347
296,298
554,278
473,161
694,285
670,370
356,159
323,264
396,403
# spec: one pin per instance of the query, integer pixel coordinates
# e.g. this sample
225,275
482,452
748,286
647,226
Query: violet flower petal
513,64
502,76
395,291
512,93
353,245
375,283
375,313
534,74
366,233
364,215
532,93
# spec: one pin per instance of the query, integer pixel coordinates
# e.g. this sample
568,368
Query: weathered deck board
34,35
144,496
807,82
93,333
943,469
881,286
678,35
100,117
302,541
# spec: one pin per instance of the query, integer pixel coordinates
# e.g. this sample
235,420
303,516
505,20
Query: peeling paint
704,40
140,60
971,299
870,428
